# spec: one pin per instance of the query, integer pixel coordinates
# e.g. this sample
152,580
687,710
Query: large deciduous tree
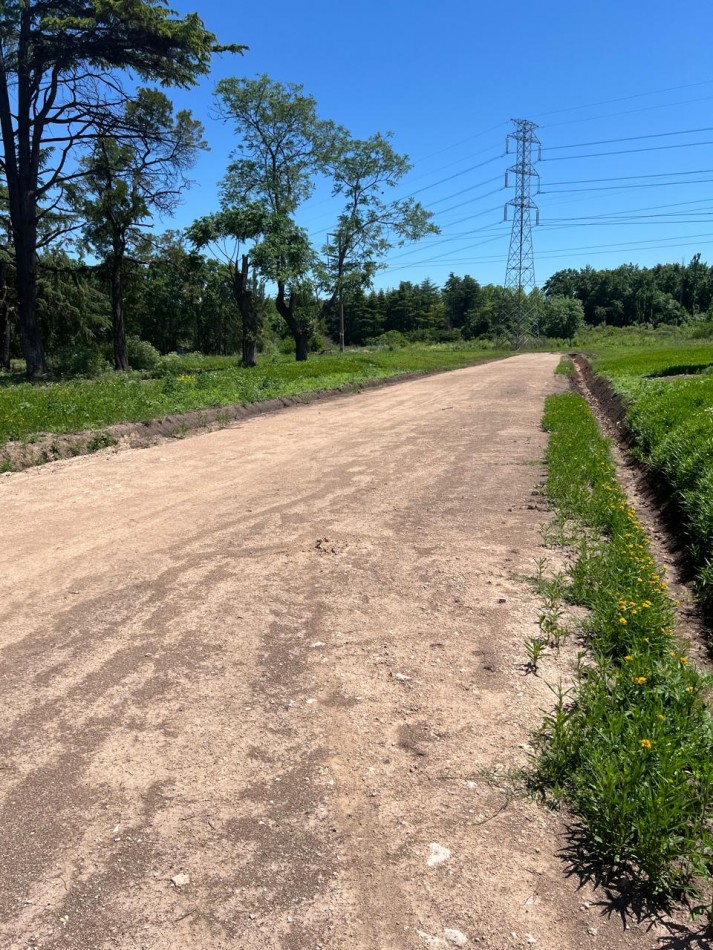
282,145
225,232
59,70
125,180
369,225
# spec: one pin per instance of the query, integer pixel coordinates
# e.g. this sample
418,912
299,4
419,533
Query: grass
670,416
565,367
184,383
630,748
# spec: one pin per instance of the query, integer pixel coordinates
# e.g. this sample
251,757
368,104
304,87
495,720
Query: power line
630,138
627,151
442,181
637,95
586,181
463,191
592,248
447,240
430,260
613,115
651,184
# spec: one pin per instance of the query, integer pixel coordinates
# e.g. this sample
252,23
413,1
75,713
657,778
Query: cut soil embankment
51,447
658,508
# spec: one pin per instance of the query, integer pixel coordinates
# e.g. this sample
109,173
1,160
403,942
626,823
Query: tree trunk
287,312
121,359
4,335
245,299
301,346
22,159
4,320
249,357
26,284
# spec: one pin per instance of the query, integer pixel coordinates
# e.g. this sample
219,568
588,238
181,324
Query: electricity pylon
522,319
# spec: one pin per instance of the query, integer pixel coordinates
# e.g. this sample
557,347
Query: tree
59,71
461,296
77,342
224,232
282,145
561,317
125,179
6,267
368,226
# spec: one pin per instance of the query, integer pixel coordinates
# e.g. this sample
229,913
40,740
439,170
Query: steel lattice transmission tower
522,318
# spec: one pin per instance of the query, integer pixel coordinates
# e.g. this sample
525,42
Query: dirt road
262,688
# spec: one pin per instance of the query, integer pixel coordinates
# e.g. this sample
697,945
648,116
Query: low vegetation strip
668,394
180,384
630,747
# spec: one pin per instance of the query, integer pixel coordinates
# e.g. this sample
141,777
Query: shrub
79,360
142,355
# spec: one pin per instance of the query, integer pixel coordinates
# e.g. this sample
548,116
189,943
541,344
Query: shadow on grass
692,369
620,898
11,379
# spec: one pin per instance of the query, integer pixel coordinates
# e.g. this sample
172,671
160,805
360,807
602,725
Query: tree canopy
61,65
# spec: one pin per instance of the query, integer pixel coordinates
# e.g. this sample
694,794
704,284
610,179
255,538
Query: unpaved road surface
283,660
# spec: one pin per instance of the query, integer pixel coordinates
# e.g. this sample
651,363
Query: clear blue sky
446,79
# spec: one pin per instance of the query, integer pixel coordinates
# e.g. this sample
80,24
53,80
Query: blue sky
447,78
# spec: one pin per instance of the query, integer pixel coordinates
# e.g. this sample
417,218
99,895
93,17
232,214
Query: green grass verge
565,367
184,383
630,749
672,423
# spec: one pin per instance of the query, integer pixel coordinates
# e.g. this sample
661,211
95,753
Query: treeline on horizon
178,299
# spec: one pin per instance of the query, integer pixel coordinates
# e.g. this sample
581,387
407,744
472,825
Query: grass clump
630,748
565,367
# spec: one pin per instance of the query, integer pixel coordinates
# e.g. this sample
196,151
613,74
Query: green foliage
142,355
126,178
368,225
667,294
72,305
632,751
392,339
78,360
60,86
561,317
671,419
144,36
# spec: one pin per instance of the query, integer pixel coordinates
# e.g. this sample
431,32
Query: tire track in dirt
284,659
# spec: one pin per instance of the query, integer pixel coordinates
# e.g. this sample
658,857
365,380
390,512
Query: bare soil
264,688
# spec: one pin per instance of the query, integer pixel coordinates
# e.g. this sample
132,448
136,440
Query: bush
142,355
79,360
392,339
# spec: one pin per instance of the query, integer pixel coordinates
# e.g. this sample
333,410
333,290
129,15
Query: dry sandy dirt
263,688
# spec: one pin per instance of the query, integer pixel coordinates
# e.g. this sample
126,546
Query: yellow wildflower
646,743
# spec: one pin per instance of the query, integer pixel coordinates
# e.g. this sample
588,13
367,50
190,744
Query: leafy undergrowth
184,383
630,748
672,423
